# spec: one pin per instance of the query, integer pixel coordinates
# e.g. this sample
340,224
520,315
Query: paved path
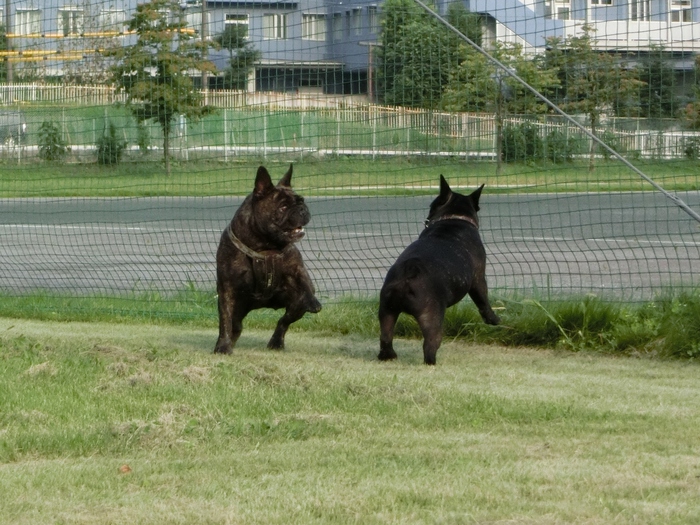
629,244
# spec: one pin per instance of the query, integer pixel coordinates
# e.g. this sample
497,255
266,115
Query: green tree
51,143
417,52
4,46
691,112
466,22
242,55
657,96
409,71
109,146
594,82
155,71
477,85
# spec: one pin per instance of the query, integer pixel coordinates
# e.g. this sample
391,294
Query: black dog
436,271
257,264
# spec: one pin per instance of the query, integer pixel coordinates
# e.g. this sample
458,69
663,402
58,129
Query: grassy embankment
104,423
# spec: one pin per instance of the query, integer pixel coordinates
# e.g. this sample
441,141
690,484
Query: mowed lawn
118,423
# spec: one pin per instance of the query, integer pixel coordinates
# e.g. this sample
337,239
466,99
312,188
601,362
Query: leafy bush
680,326
522,142
558,147
143,137
51,144
611,140
691,147
109,147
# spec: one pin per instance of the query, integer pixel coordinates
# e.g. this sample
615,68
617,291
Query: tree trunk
594,144
166,148
499,134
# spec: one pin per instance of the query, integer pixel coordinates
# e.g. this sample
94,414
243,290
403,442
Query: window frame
373,19
356,21
76,20
338,27
241,19
20,25
278,30
108,21
313,27
680,11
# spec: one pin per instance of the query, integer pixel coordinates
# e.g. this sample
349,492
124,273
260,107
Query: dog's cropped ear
445,191
475,197
286,180
263,183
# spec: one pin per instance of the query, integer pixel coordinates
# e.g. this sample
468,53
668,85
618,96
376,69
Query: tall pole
8,25
203,36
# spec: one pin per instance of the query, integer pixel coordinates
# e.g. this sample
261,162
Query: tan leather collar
249,251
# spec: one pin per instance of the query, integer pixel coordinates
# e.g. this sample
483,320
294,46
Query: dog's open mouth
297,233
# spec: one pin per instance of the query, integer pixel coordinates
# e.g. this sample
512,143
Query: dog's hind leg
430,323
387,322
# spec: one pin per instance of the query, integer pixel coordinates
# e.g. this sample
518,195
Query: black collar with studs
430,222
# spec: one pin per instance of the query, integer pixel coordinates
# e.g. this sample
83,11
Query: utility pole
203,36
8,19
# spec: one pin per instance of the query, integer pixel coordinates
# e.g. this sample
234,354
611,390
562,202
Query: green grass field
108,424
332,176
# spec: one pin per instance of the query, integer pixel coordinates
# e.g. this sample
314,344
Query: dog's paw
276,344
493,320
313,305
223,347
387,354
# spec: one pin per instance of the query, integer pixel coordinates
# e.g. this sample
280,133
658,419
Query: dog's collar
249,251
471,221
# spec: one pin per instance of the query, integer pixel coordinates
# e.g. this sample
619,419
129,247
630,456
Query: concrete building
324,45
306,45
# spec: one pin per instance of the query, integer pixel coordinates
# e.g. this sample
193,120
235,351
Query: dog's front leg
479,294
230,321
291,314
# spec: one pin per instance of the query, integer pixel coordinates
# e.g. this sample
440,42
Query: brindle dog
257,264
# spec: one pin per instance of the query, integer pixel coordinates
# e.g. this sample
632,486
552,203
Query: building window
338,27
70,21
28,21
373,19
681,11
640,10
602,2
557,9
275,27
112,19
313,27
241,21
356,22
